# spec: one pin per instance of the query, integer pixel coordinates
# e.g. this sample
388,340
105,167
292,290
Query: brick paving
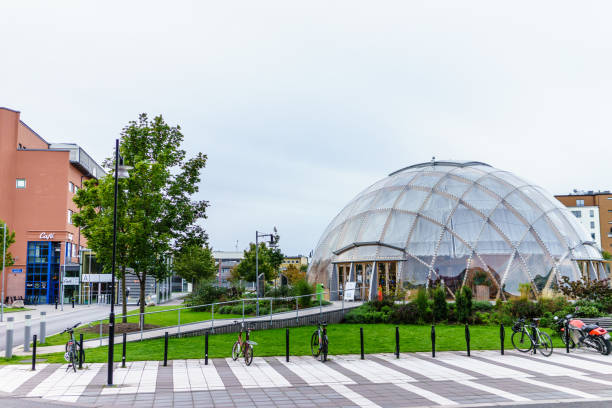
381,380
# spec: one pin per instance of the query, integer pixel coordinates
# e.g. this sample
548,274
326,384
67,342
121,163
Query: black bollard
34,354
123,353
467,338
166,349
567,338
73,303
433,341
206,348
502,337
55,303
361,340
287,345
81,351
397,346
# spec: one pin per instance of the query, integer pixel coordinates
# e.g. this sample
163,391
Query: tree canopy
10,240
268,262
194,263
156,214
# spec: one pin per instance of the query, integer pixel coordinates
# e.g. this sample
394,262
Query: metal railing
216,305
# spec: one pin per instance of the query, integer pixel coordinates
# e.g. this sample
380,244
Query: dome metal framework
460,223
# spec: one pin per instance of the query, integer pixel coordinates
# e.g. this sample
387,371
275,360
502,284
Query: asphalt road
56,322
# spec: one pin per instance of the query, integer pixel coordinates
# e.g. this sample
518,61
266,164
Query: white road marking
373,371
354,397
426,368
558,388
136,377
597,367
194,375
533,364
65,385
438,399
314,372
258,374
492,390
14,376
481,367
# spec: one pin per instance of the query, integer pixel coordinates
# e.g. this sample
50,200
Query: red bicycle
243,347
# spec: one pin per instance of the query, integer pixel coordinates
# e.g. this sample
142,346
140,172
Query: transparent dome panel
372,226
552,239
426,180
453,186
412,200
414,274
516,276
424,238
366,202
451,246
495,185
401,179
468,173
512,228
388,197
523,206
481,200
350,231
467,224
398,228
438,207
537,198
490,242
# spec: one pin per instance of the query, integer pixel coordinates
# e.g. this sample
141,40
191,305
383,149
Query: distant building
296,261
594,211
225,261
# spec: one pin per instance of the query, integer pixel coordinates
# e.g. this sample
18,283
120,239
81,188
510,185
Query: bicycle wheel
324,344
248,354
521,341
314,344
235,351
545,344
73,360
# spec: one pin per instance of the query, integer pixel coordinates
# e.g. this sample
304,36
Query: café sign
44,235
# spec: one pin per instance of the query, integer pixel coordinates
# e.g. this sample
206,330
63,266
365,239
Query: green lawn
168,318
16,309
343,339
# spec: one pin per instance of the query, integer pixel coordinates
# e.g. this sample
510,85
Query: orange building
38,181
600,199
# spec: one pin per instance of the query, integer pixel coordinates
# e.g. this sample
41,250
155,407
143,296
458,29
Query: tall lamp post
3,257
273,240
120,172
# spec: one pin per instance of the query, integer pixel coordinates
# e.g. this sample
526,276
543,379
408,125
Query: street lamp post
111,319
273,240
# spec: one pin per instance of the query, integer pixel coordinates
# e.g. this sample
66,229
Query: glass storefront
42,278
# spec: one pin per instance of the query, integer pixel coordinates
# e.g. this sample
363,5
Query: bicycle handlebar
69,329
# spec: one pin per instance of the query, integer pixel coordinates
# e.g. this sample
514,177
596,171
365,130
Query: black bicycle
528,337
319,342
74,353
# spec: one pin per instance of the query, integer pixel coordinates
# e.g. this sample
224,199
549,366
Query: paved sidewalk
381,380
207,324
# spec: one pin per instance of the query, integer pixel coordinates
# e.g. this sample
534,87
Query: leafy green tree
195,263
422,303
156,212
463,304
10,240
268,263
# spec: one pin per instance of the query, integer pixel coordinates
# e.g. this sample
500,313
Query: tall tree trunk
142,280
123,295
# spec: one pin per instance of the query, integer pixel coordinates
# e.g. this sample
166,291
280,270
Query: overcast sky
301,105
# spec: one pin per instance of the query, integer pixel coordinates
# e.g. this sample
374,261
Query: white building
588,216
225,261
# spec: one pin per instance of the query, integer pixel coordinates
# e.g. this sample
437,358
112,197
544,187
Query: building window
68,250
592,213
592,224
579,203
21,183
69,216
76,189
578,214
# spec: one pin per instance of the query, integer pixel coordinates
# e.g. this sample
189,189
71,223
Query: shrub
206,293
524,308
440,308
589,289
463,304
482,306
302,287
405,314
421,304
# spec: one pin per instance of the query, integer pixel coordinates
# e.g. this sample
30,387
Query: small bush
463,304
405,314
523,307
440,308
482,306
421,304
302,287
206,293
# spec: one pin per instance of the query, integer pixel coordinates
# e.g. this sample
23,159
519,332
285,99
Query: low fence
331,317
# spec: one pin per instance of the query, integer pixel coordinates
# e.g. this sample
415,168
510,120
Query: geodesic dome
457,222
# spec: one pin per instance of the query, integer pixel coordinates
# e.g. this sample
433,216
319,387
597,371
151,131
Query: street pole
111,320
256,269
3,257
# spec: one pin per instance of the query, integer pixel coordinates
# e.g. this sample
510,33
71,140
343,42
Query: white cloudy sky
300,105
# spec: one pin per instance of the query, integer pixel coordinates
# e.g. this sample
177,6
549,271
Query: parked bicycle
319,342
528,337
73,349
243,347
